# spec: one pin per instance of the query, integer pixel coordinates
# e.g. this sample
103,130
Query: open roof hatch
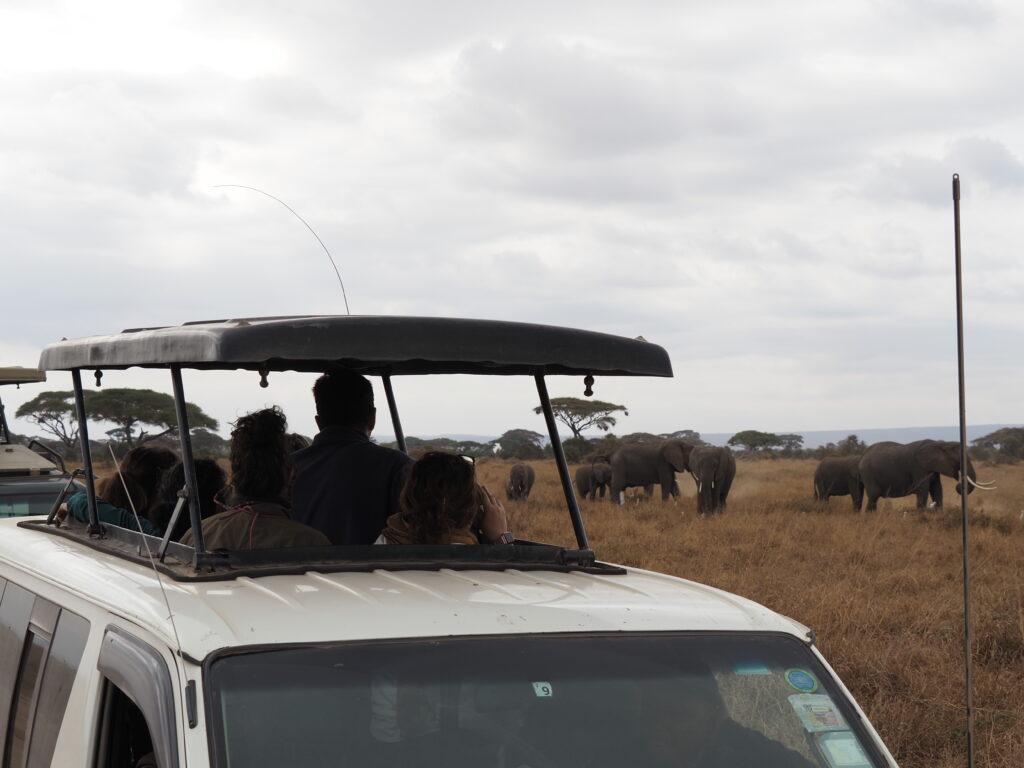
382,346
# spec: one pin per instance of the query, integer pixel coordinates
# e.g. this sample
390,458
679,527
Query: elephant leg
857,495
872,502
936,491
922,497
601,488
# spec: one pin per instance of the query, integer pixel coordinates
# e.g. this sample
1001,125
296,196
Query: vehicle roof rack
382,346
221,564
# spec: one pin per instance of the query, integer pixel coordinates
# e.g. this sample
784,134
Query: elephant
839,476
892,470
713,469
520,482
644,464
593,478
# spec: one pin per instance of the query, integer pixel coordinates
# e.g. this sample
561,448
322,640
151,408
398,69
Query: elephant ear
932,457
676,454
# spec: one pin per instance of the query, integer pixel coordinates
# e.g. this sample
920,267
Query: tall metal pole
968,640
185,439
83,436
396,422
563,467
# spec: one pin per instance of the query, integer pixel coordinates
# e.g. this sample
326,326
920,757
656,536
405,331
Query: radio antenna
296,215
968,641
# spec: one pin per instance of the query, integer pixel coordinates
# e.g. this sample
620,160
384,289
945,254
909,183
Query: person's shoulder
398,457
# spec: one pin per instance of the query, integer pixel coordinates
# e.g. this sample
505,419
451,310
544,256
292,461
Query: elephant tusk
982,486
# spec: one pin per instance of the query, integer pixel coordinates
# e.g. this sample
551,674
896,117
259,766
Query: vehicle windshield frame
830,683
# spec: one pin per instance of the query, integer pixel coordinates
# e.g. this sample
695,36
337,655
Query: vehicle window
61,667
15,613
23,504
36,644
124,736
580,701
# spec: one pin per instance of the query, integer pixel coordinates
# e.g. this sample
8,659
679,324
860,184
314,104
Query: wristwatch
505,538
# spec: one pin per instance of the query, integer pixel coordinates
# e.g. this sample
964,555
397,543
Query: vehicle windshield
17,500
540,701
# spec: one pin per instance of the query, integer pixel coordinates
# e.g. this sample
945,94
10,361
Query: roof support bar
393,407
189,465
83,435
563,468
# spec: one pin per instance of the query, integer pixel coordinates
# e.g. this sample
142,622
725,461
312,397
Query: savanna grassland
882,591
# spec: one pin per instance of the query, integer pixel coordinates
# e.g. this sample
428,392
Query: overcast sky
763,188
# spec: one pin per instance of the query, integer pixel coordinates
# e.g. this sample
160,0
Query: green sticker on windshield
542,689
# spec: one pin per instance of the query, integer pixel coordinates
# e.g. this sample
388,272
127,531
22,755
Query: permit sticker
817,712
802,680
841,750
751,668
542,690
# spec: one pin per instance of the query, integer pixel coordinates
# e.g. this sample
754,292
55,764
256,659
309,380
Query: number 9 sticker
542,690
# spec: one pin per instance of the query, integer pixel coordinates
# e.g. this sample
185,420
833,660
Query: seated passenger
689,726
345,485
211,481
261,476
132,489
441,503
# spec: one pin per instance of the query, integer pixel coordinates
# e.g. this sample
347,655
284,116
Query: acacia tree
132,409
578,414
54,413
520,444
753,440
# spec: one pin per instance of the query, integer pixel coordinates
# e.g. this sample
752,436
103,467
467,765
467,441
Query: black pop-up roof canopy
382,346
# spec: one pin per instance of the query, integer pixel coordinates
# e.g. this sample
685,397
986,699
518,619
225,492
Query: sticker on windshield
542,690
802,680
842,750
751,668
817,712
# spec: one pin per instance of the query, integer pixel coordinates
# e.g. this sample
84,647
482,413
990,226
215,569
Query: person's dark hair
261,468
297,442
343,399
210,479
142,467
439,496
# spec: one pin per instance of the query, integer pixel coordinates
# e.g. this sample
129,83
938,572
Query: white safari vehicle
478,656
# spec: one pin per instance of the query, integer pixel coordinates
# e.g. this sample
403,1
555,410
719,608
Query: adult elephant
713,469
643,464
892,470
593,478
520,482
839,476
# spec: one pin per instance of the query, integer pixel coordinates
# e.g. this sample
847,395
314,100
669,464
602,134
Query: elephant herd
891,470
885,470
644,465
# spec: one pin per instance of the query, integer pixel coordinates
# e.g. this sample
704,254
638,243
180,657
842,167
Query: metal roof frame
369,345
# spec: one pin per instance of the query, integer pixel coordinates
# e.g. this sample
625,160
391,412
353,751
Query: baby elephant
839,476
520,482
592,478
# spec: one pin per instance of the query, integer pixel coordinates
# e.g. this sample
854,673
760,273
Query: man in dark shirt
345,485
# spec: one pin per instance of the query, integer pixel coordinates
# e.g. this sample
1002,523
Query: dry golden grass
882,591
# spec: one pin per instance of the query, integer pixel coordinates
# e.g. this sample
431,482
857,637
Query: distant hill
812,438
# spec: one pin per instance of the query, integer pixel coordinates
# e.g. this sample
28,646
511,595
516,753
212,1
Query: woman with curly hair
441,503
261,477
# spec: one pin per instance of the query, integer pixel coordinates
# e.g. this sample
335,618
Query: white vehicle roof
339,606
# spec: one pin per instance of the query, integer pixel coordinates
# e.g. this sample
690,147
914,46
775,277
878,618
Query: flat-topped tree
133,409
579,414
54,413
